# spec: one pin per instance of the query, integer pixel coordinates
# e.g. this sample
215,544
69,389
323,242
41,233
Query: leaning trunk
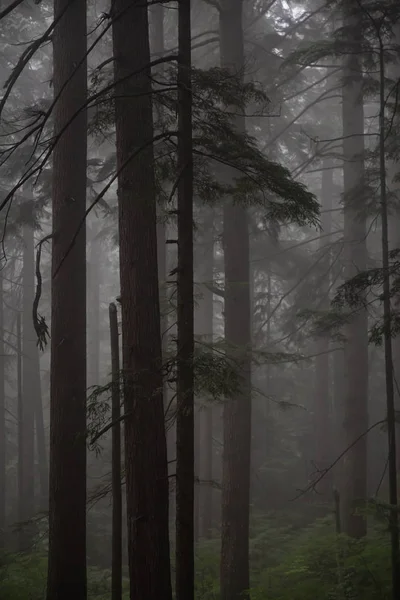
146,465
235,578
67,492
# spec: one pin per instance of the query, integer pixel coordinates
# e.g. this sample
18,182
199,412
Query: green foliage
24,578
313,562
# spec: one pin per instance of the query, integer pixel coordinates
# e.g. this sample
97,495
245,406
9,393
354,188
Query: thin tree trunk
145,441
20,436
93,314
235,577
29,379
40,435
67,490
387,316
3,439
205,316
323,424
185,320
354,486
116,566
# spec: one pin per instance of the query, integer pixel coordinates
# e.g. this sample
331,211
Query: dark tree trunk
158,49
67,490
323,413
3,439
354,486
116,566
145,442
20,436
235,578
185,320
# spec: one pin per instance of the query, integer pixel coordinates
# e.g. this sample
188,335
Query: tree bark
354,485
116,566
234,574
3,439
67,491
145,441
20,436
185,474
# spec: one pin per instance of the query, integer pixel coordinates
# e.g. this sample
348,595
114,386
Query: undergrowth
287,563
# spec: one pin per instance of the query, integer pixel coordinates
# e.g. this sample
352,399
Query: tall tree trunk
3,438
32,388
145,442
323,423
67,491
158,49
93,314
29,379
235,578
185,319
205,329
387,318
20,435
116,566
40,434
354,485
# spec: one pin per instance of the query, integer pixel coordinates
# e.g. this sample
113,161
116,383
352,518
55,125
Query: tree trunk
204,328
3,439
32,388
40,435
145,442
20,436
323,423
29,385
158,49
67,491
235,578
354,485
116,566
185,319
93,314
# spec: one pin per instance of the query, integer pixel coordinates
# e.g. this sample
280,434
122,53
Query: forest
199,299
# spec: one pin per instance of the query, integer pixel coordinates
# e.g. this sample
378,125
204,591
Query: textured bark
354,485
3,440
185,320
158,49
145,442
235,579
67,491
116,562
322,406
20,437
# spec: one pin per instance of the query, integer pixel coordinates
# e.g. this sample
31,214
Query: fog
199,289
